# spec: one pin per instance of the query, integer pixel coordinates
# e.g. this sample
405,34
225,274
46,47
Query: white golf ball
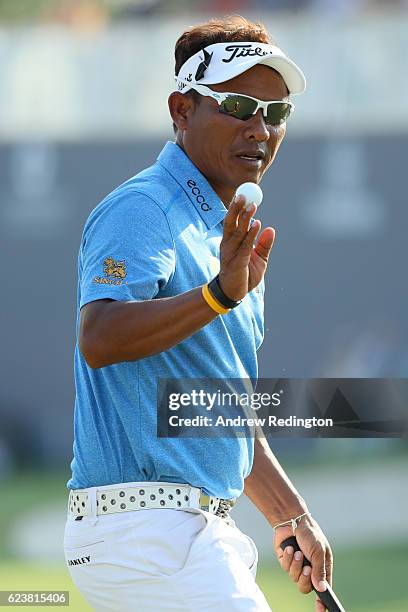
251,192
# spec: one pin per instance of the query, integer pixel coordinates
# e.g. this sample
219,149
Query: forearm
270,489
115,331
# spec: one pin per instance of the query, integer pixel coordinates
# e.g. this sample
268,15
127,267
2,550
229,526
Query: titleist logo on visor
244,51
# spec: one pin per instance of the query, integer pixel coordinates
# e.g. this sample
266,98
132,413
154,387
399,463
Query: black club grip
327,597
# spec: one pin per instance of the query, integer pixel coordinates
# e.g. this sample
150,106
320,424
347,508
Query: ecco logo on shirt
200,199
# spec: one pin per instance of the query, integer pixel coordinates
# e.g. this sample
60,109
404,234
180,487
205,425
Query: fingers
318,574
295,570
244,219
304,582
286,558
248,241
316,548
292,563
230,219
299,573
237,220
240,235
320,607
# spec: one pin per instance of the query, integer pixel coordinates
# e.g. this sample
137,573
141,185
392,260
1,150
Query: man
148,523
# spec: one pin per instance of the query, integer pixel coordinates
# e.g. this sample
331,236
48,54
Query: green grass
16,575
29,490
367,580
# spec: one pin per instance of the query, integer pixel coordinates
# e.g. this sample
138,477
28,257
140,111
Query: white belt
127,497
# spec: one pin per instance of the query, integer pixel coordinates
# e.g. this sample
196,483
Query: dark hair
233,28
228,29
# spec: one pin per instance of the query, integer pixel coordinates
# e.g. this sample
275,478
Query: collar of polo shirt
203,197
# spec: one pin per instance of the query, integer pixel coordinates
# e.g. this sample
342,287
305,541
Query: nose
256,128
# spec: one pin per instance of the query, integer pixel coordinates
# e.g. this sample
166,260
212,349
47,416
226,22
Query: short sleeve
127,250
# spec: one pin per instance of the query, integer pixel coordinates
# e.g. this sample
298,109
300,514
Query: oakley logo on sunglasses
244,51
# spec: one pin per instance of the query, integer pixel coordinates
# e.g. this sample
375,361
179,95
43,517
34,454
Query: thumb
319,573
265,242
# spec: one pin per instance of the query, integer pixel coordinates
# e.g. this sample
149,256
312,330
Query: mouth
253,159
253,162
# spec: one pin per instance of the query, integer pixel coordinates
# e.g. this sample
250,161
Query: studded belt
127,497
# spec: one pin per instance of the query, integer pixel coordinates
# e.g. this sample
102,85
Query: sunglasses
243,107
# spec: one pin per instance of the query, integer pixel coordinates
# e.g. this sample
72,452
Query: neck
223,192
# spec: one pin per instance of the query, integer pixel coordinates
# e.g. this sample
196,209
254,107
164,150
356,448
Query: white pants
153,560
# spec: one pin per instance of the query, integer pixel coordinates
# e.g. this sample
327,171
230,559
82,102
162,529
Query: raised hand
242,262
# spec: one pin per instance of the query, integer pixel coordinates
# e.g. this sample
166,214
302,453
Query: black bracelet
219,295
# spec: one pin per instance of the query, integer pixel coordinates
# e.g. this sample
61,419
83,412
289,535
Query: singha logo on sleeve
114,270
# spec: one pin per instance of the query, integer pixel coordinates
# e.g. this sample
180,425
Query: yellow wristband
212,302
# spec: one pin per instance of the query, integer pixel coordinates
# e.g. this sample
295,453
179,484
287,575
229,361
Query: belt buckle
209,503
224,508
204,502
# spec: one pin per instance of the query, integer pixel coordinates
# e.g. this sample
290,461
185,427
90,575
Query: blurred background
83,106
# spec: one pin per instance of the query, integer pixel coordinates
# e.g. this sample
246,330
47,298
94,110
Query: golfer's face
222,143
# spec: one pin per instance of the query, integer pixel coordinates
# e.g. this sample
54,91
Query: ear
181,109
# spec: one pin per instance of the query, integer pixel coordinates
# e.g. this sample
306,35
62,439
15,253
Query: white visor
223,61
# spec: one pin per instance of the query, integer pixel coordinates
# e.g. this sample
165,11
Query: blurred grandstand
84,86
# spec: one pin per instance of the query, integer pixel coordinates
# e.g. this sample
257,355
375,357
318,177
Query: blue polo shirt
156,236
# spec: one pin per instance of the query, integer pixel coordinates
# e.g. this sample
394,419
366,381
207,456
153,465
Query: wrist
212,302
291,511
218,293
227,292
293,522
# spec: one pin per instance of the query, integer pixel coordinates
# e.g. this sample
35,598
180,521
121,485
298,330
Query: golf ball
251,192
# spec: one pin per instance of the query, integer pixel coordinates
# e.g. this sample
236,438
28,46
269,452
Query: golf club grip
328,597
